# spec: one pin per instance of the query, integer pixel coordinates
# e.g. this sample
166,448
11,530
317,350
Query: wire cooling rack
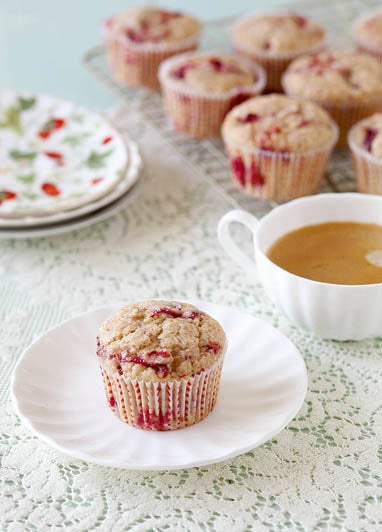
208,156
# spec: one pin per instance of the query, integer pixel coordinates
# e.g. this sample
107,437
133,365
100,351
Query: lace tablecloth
322,472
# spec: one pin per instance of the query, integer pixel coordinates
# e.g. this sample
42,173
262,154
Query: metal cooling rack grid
208,156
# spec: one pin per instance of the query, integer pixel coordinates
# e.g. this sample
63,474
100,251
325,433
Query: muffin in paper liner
201,113
345,112
162,406
368,167
363,42
278,176
161,363
136,64
274,63
271,154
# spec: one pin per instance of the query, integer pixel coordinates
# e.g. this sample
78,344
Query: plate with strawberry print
74,224
54,155
130,178
58,393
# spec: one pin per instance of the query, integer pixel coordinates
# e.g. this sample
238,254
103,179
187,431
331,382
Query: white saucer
57,391
132,174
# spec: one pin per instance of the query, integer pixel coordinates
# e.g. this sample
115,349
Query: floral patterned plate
129,180
52,230
54,155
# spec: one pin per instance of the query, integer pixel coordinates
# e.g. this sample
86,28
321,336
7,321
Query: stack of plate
62,167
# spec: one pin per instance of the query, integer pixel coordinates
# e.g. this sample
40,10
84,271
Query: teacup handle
230,246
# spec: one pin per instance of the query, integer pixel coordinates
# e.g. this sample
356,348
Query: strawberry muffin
365,141
161,363
139,39
347,84
200,88
367,33
274,40
278,146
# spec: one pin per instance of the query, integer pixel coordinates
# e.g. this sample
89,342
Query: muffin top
338,76
209,72
276,33
369,30
367,134
160,340
153,25
278,123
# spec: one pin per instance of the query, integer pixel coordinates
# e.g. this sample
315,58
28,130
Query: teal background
42,41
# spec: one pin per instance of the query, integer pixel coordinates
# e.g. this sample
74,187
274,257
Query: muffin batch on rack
278,146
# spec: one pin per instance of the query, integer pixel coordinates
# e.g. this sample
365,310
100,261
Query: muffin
274,40
367,33
139,39
200,88
278,147
365,141
347,84
161,363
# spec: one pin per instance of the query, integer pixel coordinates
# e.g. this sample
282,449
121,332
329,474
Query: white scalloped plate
131,176
57,391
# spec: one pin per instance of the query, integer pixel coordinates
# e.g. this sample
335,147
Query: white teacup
339,312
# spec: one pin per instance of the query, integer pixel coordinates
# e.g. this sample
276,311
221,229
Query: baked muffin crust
153,25
160,340
212,73
277,33
278,123
339,76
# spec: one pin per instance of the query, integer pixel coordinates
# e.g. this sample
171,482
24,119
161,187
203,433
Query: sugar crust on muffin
278,123
212,72
160,340
338,76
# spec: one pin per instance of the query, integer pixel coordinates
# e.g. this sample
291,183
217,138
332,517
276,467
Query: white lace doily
322,472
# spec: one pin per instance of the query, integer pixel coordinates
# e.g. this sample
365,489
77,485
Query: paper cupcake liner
137,65
274,64
200,113
278,176
368,169
167,405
